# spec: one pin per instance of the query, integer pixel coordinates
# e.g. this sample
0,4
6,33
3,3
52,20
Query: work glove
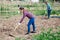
18,11
18,23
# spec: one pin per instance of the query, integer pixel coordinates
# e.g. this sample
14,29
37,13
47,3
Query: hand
19,23
18,11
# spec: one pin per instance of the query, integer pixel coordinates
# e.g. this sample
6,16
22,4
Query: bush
57,12
53,12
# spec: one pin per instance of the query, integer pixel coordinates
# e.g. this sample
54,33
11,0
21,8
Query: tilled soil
7,27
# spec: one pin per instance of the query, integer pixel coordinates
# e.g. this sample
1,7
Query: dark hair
21,8
18,5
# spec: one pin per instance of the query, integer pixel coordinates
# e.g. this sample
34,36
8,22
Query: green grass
48,35
17,38
36,11
10,12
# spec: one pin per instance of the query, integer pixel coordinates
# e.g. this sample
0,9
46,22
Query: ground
7,27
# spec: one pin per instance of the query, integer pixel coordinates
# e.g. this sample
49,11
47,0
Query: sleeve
24,15
49,7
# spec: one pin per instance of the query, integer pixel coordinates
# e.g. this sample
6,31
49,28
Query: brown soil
7,27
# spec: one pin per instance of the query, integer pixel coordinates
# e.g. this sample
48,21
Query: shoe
26,33
33,32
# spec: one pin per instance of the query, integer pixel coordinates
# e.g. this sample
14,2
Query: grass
7,12
39,12
11,12
17,38
48,35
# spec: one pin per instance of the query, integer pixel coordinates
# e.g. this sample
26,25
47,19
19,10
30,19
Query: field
7,27
46,29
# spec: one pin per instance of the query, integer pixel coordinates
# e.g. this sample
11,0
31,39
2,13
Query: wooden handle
16,27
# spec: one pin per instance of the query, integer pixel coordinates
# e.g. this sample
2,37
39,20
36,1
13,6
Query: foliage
57,12
17,38
47,35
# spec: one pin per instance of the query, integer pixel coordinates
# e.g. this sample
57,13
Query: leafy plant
47,35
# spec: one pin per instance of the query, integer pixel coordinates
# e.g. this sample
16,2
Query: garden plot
7,27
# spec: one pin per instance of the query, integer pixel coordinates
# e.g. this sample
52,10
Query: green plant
53,12
39,12
48,35
57,12
17,38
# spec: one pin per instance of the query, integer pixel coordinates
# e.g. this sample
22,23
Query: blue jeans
49,12
31,22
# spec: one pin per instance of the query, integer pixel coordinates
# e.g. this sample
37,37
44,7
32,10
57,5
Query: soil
7,27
